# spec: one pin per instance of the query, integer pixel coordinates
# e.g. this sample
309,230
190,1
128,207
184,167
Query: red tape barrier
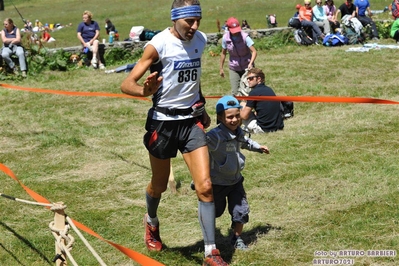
140,258
326,99
131,253
73,93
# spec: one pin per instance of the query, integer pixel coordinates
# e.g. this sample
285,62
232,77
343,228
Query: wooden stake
172,182
59,224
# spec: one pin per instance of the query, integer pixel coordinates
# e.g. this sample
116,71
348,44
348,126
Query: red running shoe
214,259
151,236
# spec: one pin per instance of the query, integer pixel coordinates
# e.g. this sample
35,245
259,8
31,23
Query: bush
384,28
278,39
118,56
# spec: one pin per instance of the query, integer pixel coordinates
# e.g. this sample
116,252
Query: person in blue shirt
361,7
88,32
320,17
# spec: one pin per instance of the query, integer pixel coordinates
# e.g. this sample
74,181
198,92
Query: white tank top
180,66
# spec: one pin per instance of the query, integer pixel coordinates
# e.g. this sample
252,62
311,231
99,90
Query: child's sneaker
214,259
238,243
151,236
102,67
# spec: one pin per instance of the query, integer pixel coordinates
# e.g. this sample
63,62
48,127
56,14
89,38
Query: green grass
152,14
329,184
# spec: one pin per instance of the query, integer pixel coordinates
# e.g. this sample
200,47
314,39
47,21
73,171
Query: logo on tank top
187,64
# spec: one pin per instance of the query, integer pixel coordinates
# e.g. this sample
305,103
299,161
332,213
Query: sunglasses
251,78
231,103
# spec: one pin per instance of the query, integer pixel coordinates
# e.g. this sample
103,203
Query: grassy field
329,184
127,13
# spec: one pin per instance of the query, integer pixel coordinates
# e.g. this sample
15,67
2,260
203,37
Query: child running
226,164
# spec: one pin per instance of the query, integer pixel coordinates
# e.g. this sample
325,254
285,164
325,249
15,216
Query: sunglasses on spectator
319,3
251,78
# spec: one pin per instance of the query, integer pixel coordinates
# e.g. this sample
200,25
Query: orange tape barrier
74,93
326,99
140,258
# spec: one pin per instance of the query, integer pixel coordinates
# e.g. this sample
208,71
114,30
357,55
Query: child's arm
264,149
251,145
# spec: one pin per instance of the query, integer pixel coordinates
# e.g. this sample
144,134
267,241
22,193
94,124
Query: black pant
334,26
368,21
396,36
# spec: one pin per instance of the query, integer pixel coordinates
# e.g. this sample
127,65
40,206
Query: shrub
384,28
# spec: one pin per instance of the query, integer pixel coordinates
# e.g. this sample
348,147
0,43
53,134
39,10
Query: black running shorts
164,138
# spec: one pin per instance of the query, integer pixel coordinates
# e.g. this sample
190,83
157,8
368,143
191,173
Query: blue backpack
335,40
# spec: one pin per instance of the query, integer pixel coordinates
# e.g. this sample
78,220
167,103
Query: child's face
231,118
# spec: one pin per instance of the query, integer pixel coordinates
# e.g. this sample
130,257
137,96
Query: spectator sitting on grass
330,10
305,16
320,18
266,115
361,7
11,38
88,33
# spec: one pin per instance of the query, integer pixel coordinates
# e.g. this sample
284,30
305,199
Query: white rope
69,220
63,235
64,248
27,201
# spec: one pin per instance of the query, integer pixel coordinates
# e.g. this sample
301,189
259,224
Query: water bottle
111,37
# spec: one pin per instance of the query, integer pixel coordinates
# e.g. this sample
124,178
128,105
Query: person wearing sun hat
242,53
226,160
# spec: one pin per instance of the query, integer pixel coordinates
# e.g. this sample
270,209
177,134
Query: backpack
395,9
352,36
302,38
335,40
294,22
271,21
287,109
147,35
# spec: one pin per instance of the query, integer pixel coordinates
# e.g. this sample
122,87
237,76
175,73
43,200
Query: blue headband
185,12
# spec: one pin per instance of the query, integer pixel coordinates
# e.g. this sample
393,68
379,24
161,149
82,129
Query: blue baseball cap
227,102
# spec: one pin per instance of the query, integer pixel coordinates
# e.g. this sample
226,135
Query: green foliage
40,58
384,28
276,40
116,56
214,50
